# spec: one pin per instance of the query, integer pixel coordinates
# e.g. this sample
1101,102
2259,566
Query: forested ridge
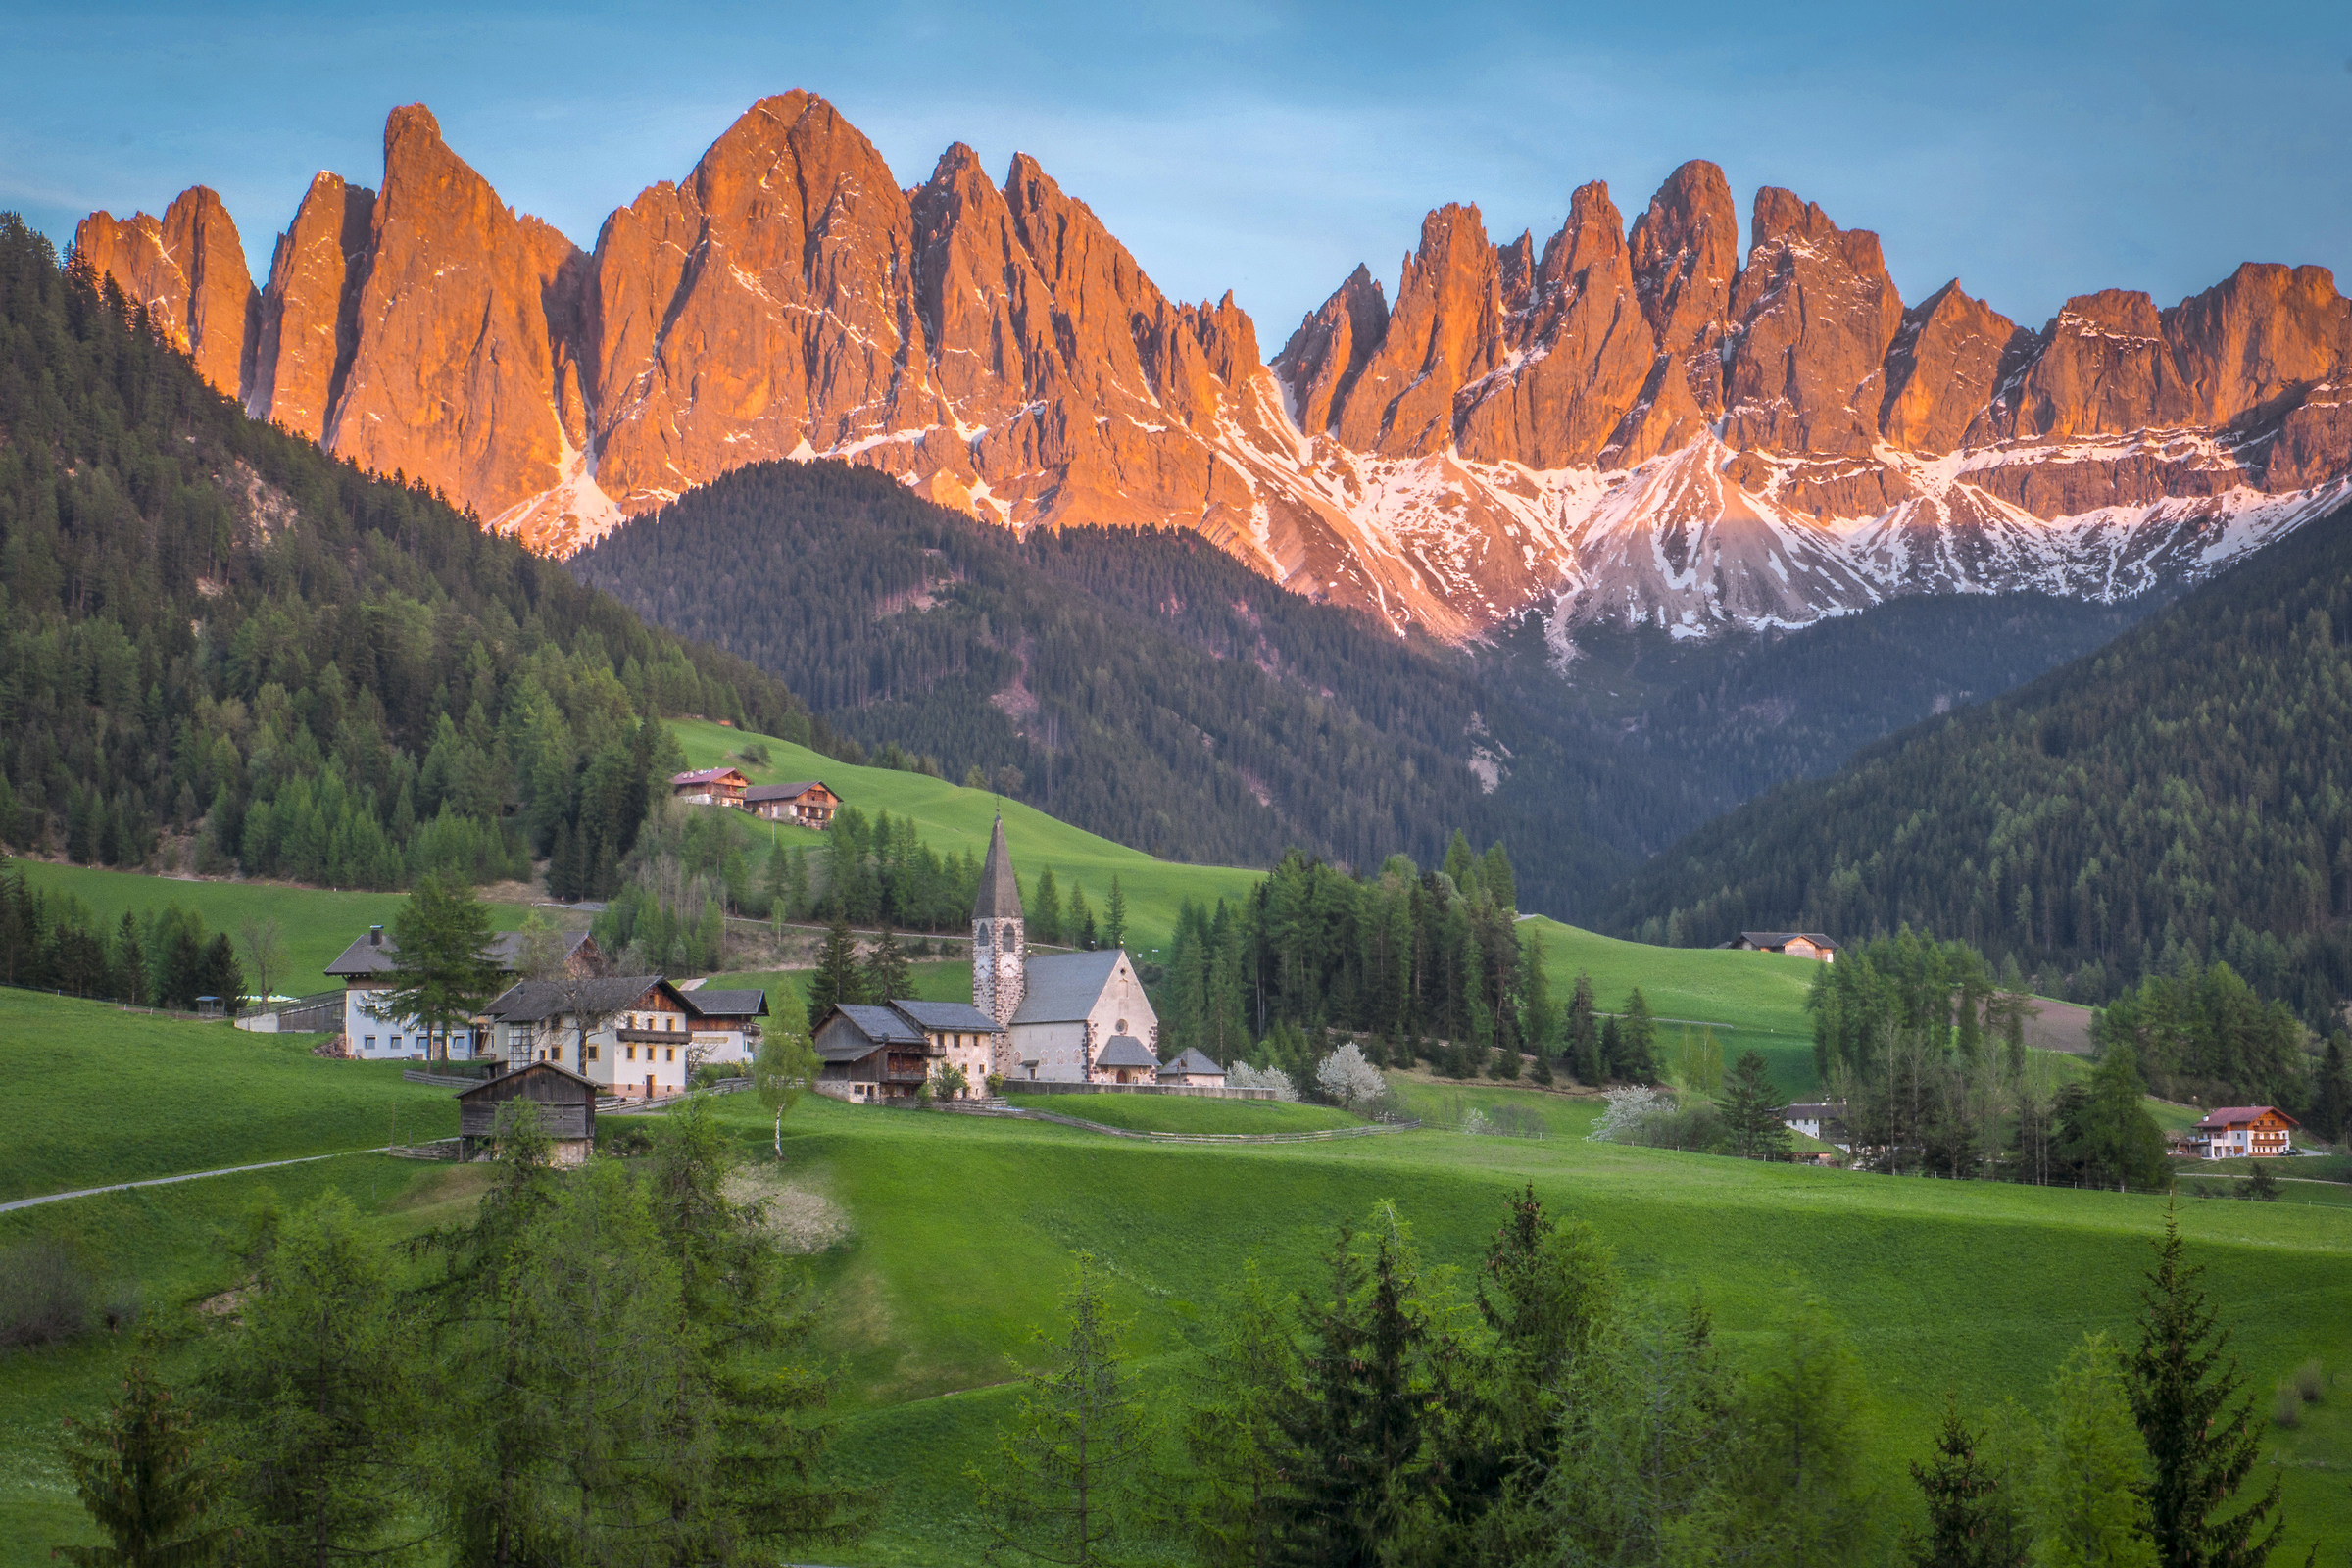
218,643
2181,796
1141,684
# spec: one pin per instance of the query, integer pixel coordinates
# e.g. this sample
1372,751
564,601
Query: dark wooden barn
566,1104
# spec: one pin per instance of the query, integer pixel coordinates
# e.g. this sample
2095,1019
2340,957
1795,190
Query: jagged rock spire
1000,895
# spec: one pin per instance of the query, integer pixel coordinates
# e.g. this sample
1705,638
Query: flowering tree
1348,1079
1630,1113
1240,1076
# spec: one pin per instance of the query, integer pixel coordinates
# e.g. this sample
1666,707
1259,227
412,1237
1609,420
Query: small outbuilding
1796,944
566,1104
1193,1069
1125,1059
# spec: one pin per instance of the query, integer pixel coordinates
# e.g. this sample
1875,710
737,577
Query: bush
1240,1076
629,1139
45,1295
2286,1405
2311,1381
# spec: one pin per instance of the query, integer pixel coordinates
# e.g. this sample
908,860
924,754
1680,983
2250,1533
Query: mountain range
1645,424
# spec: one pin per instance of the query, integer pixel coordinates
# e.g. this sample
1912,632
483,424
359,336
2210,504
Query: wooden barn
809,803
566,1104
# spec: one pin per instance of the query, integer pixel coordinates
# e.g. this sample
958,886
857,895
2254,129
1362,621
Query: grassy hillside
961,1230
115,1096
316,923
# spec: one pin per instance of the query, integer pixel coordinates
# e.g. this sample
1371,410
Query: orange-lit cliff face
1636,424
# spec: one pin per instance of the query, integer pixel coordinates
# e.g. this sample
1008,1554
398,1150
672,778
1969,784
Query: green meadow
959,1230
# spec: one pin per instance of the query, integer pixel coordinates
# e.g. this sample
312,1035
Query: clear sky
2034,151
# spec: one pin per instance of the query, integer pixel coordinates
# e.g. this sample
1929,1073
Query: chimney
376,936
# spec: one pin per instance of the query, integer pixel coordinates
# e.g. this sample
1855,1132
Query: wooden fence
1319,1135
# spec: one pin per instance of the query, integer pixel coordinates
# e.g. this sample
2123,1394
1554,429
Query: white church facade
1068,1017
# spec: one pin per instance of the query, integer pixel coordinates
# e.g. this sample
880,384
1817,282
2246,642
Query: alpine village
716,849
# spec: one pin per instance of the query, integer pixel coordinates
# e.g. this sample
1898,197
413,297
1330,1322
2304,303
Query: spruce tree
1063,1487
838,980
1970,1524
2332,1094
888,975
1640,1035
2200,1451
1044,913
442,971
1751,1109
145,1475
1354,1441
1584,1034
1115,920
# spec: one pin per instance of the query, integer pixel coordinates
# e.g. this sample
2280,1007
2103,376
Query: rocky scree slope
1644,425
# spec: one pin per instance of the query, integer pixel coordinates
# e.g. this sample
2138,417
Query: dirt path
166,1181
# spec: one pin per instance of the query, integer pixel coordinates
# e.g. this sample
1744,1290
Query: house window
396,1041
632,1050
670,1054
370,1043
591,1053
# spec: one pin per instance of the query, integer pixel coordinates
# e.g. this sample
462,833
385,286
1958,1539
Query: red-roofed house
2237,1132
709,786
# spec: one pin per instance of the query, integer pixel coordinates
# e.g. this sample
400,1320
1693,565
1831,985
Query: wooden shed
566,1104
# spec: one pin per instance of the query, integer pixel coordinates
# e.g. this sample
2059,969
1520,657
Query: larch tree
787,1066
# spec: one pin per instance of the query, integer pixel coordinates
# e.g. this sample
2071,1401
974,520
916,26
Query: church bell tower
999,937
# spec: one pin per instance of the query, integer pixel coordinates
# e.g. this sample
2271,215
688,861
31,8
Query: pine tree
2087,1503
1045,915
1612,1050
1062,1488
145,1477
2332,1092
1114,924
442,971
1970,1525
889,977
1078,924
1751,1109
1640,1035
1495,877
1353,1439
318,1394
1584,1034
838,980
1231,1503
2201,1451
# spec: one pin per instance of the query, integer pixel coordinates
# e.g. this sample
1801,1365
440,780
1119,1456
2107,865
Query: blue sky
2034,151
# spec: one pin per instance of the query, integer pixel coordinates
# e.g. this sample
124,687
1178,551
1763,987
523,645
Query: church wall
1058,1049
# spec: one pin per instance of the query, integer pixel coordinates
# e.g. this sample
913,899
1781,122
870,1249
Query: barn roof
535,1000
746,1004
946,1015
2222,1116
1192,1063
704,775
1061,987
784,792
876,1026
513,1076
375,951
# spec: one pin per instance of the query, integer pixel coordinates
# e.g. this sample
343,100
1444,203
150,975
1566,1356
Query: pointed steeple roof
1000,896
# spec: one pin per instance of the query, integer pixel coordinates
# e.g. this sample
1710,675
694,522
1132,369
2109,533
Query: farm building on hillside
869,1054
1796,944
708,786
1192,1069
1822,1119
725,1024
367,970
566,1104
809,803
2239,1132
630,1036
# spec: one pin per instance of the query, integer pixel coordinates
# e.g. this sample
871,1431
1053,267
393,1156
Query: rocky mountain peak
188,270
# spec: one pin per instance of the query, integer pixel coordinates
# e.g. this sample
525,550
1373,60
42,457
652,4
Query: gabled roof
1125,1051
876,1027
515,1074
536,1001
2223,1116
750,1004
704,775
957,1015
1192,1063
786,792
1780,939
1000,895
369,955
1061,987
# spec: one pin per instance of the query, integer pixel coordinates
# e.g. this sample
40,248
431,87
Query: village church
1068,1017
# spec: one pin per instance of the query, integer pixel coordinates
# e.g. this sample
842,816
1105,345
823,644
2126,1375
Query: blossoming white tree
1348,1078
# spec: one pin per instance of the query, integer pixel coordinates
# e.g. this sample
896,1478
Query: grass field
107,1096
1182,1114
963,1229
316,924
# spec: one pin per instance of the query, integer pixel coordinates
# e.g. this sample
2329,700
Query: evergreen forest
2182,796
222,649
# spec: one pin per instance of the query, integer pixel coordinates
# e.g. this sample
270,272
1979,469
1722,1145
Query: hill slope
213,629
2185,794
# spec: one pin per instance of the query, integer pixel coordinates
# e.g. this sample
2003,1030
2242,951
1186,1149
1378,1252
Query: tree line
159,958
226,649
1548,1412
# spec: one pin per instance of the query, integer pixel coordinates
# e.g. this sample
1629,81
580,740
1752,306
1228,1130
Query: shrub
629,1139
2286,1405
1240,1076
45,1295
2311,1381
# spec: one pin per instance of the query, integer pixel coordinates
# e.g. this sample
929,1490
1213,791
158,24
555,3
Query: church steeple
999,934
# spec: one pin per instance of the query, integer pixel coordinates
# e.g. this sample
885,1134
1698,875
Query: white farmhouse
365,969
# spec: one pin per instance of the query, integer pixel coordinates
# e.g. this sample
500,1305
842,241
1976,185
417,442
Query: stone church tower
999,938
